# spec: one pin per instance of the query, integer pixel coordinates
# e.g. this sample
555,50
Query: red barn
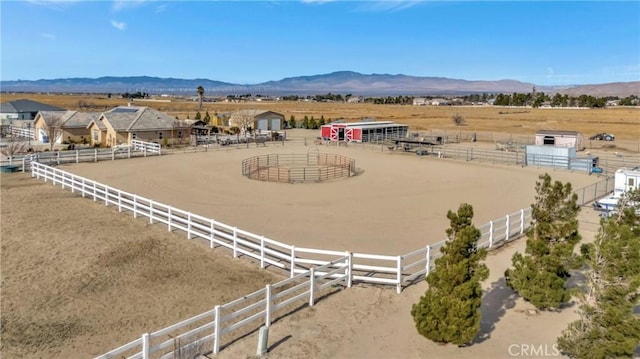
363,131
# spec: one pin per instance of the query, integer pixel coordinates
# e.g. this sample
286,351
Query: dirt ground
76,282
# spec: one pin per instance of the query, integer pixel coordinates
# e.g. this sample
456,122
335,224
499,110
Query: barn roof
555,132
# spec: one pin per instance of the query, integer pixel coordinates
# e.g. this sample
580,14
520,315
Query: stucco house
123,124
72,126
260,120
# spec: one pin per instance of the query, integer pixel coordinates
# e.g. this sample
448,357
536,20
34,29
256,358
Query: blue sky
249,42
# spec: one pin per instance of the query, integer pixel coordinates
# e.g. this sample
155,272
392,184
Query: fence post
267,318
150,212
169,215
312,284
119,201
399,274
595,191
428,258
293,261
77,156
83,185
490,234
58,157
522,221
94,192
216,329
235,242
261,252
145,346
95,155
129,152
350,270
189,236
135,206
211,245
506,231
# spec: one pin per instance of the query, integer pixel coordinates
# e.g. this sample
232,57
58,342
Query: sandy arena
397,203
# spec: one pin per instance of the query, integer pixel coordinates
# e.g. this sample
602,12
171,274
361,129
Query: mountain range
341,82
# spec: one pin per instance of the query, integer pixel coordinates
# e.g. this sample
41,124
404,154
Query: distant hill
341,82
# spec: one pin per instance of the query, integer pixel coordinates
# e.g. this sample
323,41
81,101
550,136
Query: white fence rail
76,156
313,264
146,146
21,132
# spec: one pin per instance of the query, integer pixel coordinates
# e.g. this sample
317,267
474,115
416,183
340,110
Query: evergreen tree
540,275
292,121
449,311
198,116
608,327
207,117
305,122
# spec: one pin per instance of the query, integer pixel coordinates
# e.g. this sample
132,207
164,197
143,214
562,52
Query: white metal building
560,139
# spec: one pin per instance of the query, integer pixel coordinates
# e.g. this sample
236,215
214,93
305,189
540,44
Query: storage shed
560,139
363,131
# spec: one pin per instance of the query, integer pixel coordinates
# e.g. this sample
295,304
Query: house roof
133,118
554,132
72,119
24,105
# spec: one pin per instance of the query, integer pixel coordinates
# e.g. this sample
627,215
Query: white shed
560,139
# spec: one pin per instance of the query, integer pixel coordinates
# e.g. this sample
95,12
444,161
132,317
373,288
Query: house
560,139
260,120
420,101
23,110
123,124
198,127
71,126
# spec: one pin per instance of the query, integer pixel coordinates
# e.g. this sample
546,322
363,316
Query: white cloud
48,36
389,5
119,25
316,1
119,5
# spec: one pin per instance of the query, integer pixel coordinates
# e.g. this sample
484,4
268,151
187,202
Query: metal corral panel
549,156
581,164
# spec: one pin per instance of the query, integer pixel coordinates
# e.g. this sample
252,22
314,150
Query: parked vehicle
603,137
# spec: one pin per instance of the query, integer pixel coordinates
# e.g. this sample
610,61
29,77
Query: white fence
86,155
21,132
313,264
146,146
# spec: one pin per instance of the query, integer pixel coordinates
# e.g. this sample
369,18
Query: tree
53,128
541,274
198,116
458,120
292,122
449,311
244,120
200,91
608,327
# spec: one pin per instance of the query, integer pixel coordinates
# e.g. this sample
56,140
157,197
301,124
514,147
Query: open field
84,279
623,122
